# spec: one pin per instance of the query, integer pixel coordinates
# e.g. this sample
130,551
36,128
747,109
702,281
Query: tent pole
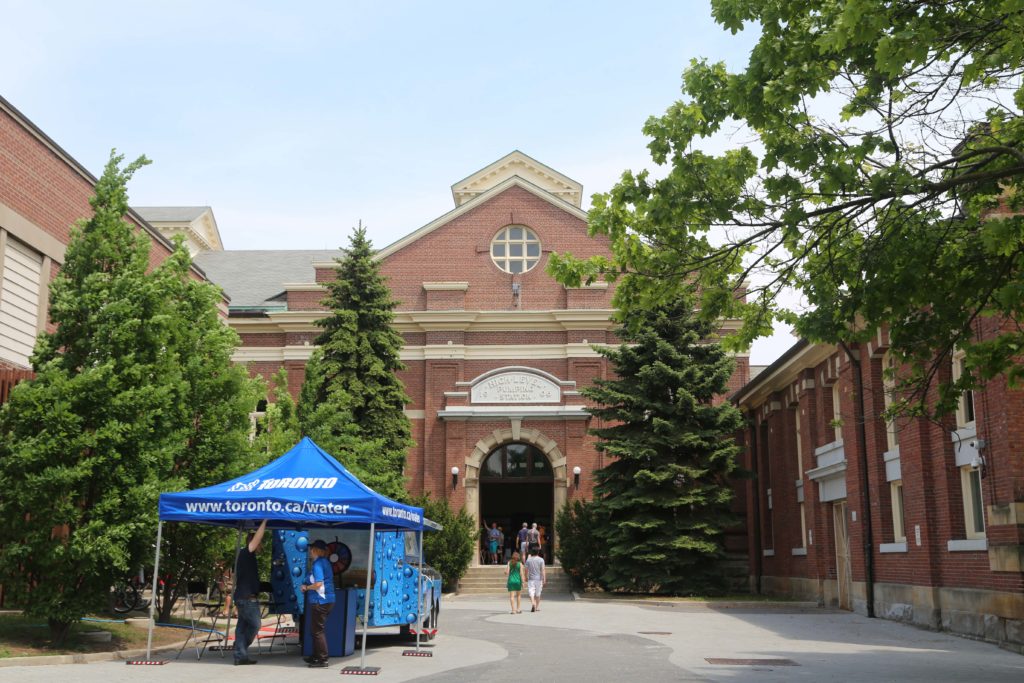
419,598
231,588
156,584
366,599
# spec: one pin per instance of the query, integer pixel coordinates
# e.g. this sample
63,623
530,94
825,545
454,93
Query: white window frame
892,431
972,499
899,523
964,417
506,244
837,414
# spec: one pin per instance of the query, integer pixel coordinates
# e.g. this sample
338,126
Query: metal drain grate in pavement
751,662
655,633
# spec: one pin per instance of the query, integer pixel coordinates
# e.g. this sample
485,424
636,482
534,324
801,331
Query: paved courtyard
598,641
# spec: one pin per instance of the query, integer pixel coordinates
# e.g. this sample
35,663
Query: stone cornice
446,286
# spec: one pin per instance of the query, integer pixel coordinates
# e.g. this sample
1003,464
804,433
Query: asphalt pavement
595,641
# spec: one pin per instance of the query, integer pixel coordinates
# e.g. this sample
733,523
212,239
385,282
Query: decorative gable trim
518,164
514,181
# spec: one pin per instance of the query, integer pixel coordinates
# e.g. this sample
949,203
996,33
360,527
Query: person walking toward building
515,571
536,577
524,544
320,588
247,592
533,538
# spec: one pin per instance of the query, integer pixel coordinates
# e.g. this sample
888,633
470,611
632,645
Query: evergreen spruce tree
83,445
664,497
352,401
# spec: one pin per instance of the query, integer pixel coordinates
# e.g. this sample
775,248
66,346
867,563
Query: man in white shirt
536,577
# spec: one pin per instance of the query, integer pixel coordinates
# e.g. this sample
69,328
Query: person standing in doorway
320,588
493,539
247,593
515,571
524,544
536,577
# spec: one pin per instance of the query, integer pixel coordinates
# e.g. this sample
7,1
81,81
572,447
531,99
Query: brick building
926,518
496,351
43,192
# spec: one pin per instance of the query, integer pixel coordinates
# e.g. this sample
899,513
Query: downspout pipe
862,456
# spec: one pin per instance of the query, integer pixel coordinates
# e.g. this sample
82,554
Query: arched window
516,462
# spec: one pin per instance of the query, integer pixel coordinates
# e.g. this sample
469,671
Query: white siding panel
20,291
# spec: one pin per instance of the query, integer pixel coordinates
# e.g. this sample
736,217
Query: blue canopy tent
306,487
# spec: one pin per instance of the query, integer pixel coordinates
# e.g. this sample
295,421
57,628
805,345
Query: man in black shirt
247,591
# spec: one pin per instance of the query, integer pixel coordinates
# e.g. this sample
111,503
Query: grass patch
22,636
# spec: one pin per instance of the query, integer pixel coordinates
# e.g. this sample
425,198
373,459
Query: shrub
450,550
581,551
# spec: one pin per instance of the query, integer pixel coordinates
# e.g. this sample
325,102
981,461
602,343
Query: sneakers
242,662
318,664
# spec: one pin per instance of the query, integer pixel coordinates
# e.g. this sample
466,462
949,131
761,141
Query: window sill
768,552
900,547
967,545
798,551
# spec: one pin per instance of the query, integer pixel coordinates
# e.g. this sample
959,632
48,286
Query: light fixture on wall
576,471
517,291
455,477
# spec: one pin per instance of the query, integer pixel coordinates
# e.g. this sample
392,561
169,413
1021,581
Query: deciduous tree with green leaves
279,427
883,184
214,401
663,501
352,401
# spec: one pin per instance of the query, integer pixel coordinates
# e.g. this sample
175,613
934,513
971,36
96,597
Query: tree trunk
59,631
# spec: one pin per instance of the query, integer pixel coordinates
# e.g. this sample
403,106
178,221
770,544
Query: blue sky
296,120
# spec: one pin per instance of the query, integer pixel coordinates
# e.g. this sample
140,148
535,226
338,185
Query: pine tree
82,445
664,497
352,401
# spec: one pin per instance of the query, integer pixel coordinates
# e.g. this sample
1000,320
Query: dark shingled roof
171,214
252,279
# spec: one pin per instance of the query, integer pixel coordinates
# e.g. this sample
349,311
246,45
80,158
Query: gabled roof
513,181
255,279
526,167
171,214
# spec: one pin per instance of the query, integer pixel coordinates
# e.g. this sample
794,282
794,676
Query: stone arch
514,434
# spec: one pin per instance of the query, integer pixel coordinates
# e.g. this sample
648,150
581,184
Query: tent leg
231,588
419,599
156,586
366,599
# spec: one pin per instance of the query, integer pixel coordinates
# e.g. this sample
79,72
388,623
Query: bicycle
128,593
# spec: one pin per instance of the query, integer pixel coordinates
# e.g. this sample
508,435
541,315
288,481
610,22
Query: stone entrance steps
490,579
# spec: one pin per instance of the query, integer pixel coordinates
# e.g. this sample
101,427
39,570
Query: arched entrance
517,486
476,481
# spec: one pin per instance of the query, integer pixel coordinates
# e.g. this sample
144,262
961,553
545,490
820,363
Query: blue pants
247,628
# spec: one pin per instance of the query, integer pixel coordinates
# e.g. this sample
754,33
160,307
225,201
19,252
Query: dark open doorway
516,486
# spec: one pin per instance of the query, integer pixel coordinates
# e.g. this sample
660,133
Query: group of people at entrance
533,571
318,585
500,548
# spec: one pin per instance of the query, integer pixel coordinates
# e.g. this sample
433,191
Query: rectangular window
899,533
799,450
974,509
892,434
803,527
837,416
21,299
965,408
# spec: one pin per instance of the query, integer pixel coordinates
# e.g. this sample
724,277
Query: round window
515,249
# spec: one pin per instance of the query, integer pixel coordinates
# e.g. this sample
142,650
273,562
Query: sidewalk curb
710,604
